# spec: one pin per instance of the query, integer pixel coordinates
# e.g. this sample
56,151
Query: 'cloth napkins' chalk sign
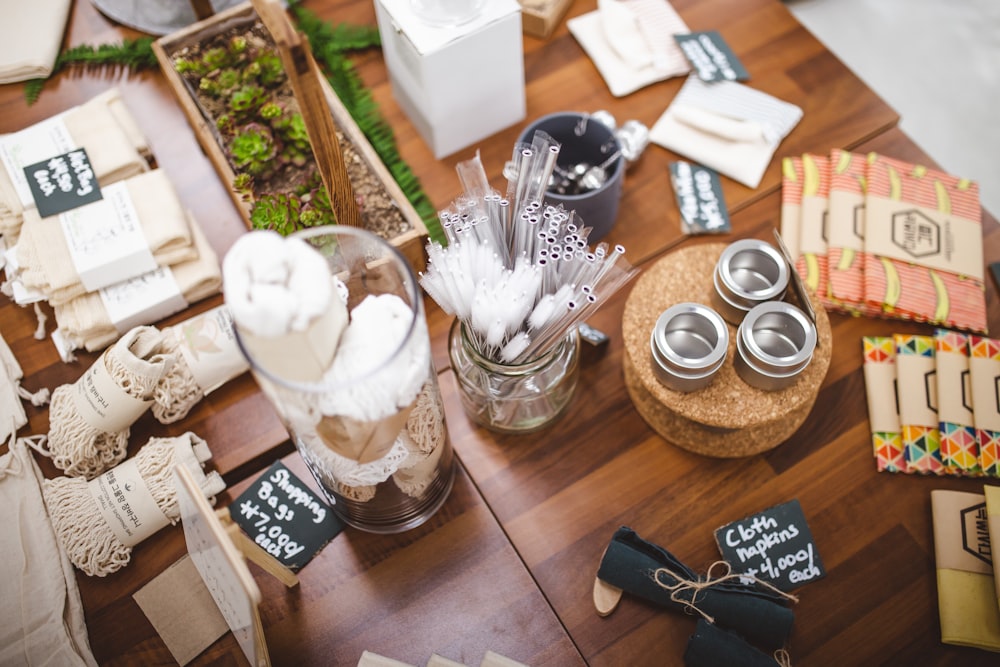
284,517
775,545
711,57
699,198
62,182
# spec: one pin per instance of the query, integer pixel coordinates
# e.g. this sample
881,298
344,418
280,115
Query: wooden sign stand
297,59
220,562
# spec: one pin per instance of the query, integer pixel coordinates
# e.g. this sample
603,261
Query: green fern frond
134,54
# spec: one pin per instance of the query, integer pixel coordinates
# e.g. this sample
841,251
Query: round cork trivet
728,418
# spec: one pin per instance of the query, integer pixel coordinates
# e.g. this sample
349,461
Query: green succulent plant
253,148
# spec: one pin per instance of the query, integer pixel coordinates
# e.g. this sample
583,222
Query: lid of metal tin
749,272
774,343
689,344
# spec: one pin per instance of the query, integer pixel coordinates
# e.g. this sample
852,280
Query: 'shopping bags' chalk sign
775,545
281,514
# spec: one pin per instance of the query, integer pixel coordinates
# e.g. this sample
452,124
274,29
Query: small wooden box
540,17
410,242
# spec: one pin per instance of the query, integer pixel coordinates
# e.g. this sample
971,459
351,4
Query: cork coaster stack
728,418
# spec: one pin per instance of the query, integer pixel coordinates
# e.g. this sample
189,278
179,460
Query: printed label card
699,198
775,545
711,57
62,183
284,517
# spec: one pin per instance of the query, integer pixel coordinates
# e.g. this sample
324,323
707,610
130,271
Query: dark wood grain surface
509,561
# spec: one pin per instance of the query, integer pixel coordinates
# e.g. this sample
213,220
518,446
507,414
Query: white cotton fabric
727,126
30,36
43,619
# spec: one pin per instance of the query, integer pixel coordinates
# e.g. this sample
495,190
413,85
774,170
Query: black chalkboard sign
284,517
699,198
62,182
775,545
711,57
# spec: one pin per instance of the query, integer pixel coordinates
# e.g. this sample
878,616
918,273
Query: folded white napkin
51,261
726,126
631,42
30,36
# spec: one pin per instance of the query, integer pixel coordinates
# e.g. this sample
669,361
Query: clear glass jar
517,398
372,432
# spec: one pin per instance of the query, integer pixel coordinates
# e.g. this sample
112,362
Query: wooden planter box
411,242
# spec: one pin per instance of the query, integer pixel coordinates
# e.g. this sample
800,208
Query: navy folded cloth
755,613
711,646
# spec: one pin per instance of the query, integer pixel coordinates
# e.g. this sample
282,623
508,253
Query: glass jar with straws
519,277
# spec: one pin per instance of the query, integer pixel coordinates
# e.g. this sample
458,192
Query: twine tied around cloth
90,420
91,543
696,586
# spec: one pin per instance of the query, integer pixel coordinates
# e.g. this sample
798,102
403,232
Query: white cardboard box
458,85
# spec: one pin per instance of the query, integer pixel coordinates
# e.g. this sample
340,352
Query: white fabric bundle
95,320
206,356
30,37
43,619
631,42
92,543
103,126
727,126
90,420
47,252
288,308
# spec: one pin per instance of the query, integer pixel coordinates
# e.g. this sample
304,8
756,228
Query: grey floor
936,62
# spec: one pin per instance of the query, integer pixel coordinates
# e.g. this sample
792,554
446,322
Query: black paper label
62,183
699,198
284,517
711,57
775,545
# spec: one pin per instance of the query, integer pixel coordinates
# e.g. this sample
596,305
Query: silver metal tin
689,344
774,344
748,272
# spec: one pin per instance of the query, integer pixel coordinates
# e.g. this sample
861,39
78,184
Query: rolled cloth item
711,646
12,415
30,39
641,568
90,420
103,126
43,619
206,356
285,304
98,522
67,255
95,320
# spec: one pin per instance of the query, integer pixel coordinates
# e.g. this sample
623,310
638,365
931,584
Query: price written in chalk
284,517
62,182
775,545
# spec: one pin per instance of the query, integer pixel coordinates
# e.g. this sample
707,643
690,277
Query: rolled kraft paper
285,304
755,614
711,646
362,440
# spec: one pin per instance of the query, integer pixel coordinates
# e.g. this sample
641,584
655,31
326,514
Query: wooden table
508,562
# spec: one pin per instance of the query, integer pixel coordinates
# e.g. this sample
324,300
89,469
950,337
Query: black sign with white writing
775,546
62,182
711,57
699,198
284,517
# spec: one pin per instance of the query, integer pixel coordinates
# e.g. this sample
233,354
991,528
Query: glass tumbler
372,430
514,398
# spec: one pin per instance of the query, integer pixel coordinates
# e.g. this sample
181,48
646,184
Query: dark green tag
284,517
62,182
711,57
775,545
699,198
